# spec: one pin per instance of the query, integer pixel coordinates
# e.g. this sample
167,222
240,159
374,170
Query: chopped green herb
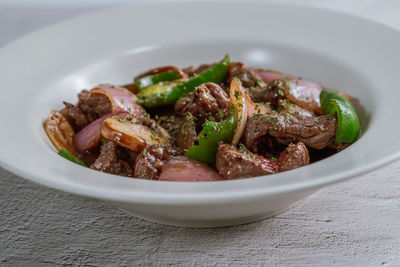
242,148
260,83
237,94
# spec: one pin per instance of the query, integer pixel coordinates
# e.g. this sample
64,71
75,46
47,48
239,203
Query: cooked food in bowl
207,123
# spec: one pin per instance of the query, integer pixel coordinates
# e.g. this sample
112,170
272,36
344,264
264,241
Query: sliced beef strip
273,93
114,159
172,124
190,71
246,75
89,108
89,157
257,89
263,95
208,101
94,104
186,135
294,156
149,163
76,117
314,132
233,163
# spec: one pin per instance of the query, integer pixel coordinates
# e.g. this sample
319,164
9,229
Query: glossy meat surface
314,132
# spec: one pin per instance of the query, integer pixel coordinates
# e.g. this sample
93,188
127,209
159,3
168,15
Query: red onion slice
305,94
269,75
184,169
122,100
90,136
300,92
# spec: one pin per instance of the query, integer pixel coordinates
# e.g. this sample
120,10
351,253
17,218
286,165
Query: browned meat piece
149,163
89,157
190,71
262,95
89,108
294,156
257,89
314,132
171,123
247,76
186,135
273,93
94,105
114,160
208,101
233,163
76,118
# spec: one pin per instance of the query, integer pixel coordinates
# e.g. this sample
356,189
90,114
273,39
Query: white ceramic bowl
337,50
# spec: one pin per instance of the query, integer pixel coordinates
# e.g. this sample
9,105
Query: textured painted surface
356,222
353,223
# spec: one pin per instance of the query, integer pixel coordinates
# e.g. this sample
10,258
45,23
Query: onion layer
184,169
305,94
269,75
90,136
129,132
59,132
122,100
238,98
300,92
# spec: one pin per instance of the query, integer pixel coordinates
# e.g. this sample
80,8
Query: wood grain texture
353,223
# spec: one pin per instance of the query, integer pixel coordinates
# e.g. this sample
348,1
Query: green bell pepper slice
65,154
165,93
348,128
166,76
212,133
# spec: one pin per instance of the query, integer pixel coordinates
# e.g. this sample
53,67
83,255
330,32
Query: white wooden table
353,223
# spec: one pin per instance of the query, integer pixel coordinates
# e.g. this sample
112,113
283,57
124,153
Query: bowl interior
322,68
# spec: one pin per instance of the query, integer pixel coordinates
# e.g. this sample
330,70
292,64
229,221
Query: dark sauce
320,154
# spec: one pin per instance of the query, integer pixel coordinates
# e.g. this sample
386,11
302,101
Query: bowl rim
198,192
